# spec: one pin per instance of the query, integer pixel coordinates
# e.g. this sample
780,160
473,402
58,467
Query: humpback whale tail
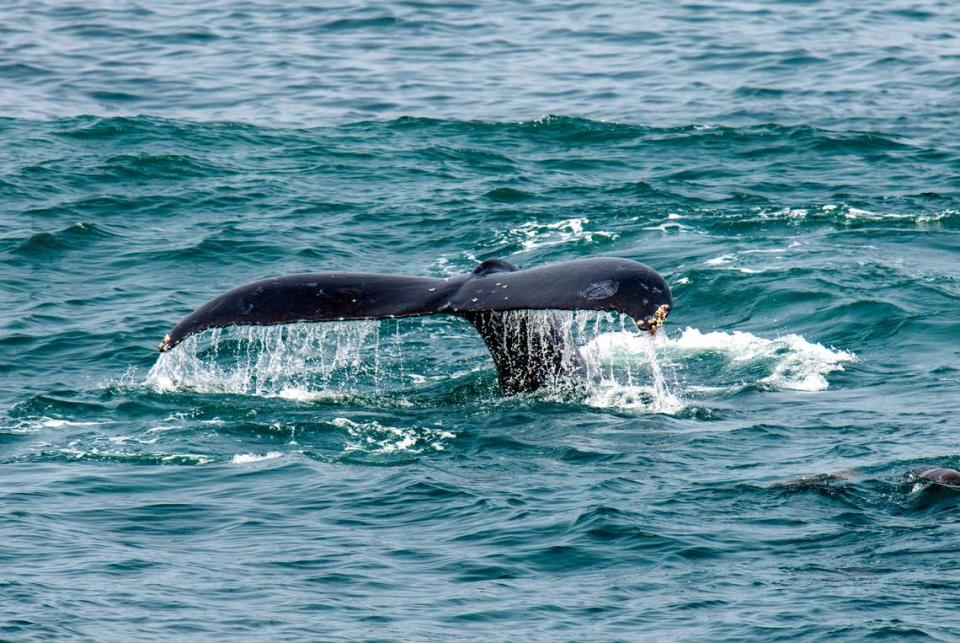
526,355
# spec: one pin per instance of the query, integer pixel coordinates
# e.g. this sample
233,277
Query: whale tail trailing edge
526,355
311,298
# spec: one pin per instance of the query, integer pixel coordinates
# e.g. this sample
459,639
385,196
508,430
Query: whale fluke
526,357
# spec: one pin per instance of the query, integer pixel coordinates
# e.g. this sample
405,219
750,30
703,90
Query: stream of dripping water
311,361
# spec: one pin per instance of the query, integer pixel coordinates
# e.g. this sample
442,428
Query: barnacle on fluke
657,321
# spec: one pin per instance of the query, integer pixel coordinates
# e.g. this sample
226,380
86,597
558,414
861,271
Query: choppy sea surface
792,169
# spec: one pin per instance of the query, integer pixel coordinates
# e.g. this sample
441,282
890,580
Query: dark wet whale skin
526,358
940,476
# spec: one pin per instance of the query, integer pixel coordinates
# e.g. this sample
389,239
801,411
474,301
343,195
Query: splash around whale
527,355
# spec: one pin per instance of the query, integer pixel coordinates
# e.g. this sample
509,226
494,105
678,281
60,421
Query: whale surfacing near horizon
526,355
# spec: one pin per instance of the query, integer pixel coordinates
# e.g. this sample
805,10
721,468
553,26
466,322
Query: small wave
301,394
508,195
922,493
76,452
722,260
797,363
843,214
249,458
850,214
791,362
54,423
72,237
377,439
33,424
533,235
646,399
154,166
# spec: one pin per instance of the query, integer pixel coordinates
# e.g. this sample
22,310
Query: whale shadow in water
926,489
528,352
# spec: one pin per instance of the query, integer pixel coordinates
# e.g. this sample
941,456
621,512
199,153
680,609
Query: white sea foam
379,439
846,214
56,423
798,364
76,451
186,458
791,362
248,458
851,214
33,424
721,260
532,235
303,394
164,428
787,213
613,395
131,439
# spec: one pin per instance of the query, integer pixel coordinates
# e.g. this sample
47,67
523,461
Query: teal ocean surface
791,169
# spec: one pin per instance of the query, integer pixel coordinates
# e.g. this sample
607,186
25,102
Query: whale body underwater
527,355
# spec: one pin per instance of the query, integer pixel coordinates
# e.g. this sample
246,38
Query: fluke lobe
528,353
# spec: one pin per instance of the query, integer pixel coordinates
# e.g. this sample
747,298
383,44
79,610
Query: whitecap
248,458
375,438
34,424
302,394
721,260
533,235
797,364
792,362
57,423
609,394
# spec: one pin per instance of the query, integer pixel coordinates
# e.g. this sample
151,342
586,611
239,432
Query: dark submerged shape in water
527,354
940,476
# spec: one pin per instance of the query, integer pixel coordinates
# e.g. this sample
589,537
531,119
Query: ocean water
792,169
